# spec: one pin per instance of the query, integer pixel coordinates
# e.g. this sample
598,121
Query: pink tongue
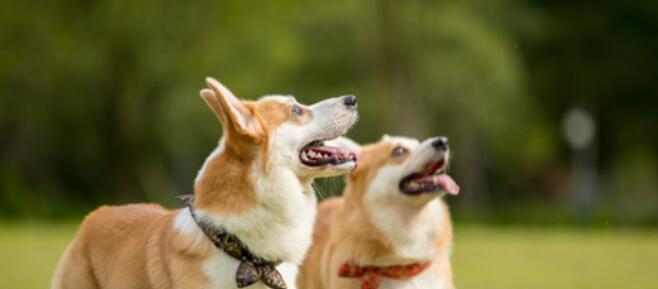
447,183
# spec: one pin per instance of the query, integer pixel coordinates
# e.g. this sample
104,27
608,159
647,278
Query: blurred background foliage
99,99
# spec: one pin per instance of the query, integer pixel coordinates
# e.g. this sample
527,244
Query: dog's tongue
447,183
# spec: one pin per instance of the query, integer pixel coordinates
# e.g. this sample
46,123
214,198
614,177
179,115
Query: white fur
184,223
412,231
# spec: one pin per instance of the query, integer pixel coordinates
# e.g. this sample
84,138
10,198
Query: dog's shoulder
125,214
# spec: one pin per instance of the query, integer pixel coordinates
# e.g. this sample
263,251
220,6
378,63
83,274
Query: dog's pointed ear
231,112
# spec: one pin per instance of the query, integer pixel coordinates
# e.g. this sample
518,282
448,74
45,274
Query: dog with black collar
255,187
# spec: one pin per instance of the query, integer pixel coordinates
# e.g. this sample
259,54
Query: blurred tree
99,100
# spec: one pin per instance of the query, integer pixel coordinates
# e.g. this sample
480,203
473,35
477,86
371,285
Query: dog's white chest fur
279,228
221,269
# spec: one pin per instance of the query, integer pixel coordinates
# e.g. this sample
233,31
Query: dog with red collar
390,229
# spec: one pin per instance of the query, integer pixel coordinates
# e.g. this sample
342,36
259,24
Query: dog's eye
398,151
297,110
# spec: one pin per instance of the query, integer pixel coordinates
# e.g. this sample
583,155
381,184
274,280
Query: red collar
372,275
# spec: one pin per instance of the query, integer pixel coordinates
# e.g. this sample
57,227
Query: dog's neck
279,223
393,234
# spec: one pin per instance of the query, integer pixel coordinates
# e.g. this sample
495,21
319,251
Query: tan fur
223,188
277,113
344,229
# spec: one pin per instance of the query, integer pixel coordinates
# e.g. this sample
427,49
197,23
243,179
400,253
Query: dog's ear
231,112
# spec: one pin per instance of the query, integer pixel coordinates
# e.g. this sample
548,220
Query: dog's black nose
440,142
349,100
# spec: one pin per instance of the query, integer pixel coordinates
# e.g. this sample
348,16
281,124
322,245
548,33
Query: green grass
484,258
514,258
29,253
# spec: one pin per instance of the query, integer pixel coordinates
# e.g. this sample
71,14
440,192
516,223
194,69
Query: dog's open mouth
433,179
316,154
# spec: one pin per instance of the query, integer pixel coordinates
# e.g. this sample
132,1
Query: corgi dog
390,229
255,186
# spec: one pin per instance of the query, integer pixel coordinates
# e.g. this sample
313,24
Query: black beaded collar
252,268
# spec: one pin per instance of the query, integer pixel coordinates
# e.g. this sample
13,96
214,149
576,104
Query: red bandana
372,275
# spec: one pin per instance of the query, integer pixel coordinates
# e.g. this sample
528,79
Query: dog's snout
349,100
440,142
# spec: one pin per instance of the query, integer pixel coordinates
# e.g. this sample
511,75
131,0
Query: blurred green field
484,258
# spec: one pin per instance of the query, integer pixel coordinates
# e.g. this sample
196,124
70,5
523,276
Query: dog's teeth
311,154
